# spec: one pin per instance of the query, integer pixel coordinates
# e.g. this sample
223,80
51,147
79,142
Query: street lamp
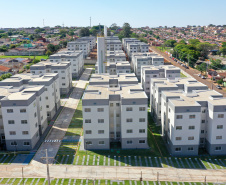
15,144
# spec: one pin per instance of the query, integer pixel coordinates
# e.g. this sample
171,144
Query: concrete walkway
62,122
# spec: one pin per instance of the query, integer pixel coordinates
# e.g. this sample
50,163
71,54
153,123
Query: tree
223,51
223,44
204,49
51,47
220,81
48,52
170,43
182,42
35,61
94,33
12,46
193,41
126,29
215,64
201,67
84,32
114,26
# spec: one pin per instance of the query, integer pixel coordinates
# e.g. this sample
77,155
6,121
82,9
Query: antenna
90,21
43,22
63,25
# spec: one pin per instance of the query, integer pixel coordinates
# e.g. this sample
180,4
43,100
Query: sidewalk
62,122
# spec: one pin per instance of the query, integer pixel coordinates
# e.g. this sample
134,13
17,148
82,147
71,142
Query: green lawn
32,57
182,75
40,181
163,49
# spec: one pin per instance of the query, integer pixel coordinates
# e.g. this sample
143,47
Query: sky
138,13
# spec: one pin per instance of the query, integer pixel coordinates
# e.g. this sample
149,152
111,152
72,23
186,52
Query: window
87,120
88,131
141,108
129,109
23,121
219,126
191,116
55,72
129,131
141,141
111,104
218,148
101,142
36,124
178,127
191,138
47,106
40,99
178,149
190,149
11,122
117,104
100,120
25,132
100,131
178,138
203,121
191,127
62,71
46,98
117,115
179,117
63,83
87,110
129,142
89,142
26,143
220,115
202,131
37,134
218,137
9,110
141,130
22,110
129,120
169,111
63,78
13,143
100,110
12,132
142,120
35,114
204,111
202,140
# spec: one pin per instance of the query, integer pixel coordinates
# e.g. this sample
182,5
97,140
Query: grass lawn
32,57
182,75
164,48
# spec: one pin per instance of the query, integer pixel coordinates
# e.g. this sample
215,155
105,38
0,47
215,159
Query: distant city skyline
141,13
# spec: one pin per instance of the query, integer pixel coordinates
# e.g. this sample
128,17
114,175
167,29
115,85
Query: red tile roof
3,68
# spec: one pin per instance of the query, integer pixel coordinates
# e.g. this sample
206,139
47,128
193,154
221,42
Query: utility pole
141,177
90,21
205,180
23,174
47,165
157,176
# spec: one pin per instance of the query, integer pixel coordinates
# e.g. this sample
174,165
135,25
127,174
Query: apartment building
127,40
157,86
91,40
62,68
115,67
162,71
137,47
113,45
75,57
24,116
49,81
194,120
81,46
114,111
117,55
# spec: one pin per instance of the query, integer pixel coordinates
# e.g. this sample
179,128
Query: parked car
203,77
186,67
219,87
42,59
199,75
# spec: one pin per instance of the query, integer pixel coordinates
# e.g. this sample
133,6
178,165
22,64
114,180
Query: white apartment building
113,45
62,68
127,40
91,40
137,47
116,67
24,116
75,57
118,55
163,71
114,111
51,83
194,120
140,61
81,46
158,85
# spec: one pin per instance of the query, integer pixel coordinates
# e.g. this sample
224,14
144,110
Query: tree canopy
84,32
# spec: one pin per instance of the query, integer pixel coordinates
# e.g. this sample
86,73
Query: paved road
62,122
193,72
115,173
